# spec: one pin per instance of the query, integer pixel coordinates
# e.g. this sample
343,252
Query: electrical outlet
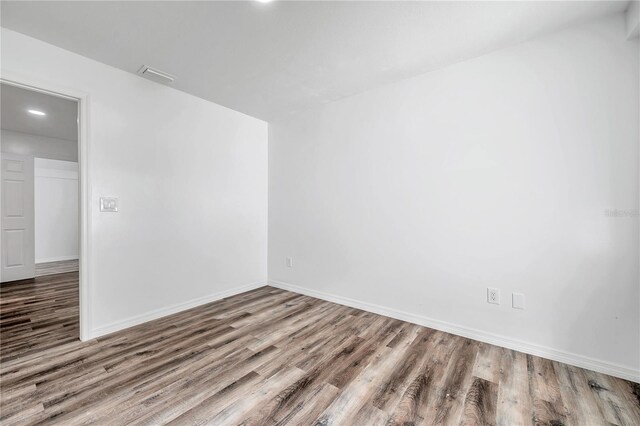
493,295
517,300
289,262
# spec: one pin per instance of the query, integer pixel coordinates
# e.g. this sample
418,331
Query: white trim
55,174
169,310
84,199
57,259
472,333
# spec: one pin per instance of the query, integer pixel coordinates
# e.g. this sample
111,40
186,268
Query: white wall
191,178
492,172
38,146
56,210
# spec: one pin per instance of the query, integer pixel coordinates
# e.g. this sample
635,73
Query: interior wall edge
574,359
170,310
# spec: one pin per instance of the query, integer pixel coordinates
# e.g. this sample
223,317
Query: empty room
320,213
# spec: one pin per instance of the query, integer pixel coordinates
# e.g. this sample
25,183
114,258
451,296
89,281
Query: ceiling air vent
156,75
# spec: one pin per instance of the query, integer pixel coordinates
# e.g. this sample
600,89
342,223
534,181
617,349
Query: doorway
41,206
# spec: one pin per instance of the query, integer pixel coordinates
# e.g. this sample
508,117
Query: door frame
84,187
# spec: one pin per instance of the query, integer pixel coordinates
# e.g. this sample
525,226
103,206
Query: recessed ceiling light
264,1
36,112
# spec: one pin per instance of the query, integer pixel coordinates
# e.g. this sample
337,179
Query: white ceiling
60,122
270,59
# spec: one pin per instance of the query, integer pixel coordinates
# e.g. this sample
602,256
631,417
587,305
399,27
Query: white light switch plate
108,204
517,300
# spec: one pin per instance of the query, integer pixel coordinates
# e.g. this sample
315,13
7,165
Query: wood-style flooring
36,315
272,357
60,267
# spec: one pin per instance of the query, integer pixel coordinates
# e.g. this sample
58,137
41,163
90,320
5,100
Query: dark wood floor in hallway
270,357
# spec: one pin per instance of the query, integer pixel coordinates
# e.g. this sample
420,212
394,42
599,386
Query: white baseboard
169,310
57,259
472,333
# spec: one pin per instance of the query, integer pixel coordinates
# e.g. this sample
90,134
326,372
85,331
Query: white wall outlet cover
108,204
493,295
517,300
289,262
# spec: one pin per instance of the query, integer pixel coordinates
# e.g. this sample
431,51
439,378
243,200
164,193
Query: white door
18,243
